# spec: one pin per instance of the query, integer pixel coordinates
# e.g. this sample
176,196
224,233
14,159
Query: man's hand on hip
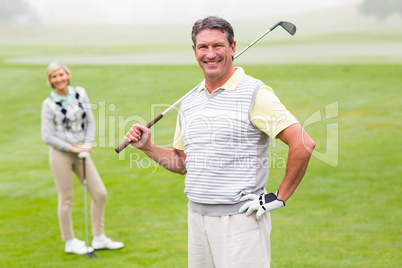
261,203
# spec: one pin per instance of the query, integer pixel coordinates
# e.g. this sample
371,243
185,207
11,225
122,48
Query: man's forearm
298,159
301,147
170,159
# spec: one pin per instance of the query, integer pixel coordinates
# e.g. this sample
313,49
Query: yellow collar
231,84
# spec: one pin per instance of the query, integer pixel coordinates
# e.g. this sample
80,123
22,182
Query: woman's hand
80,148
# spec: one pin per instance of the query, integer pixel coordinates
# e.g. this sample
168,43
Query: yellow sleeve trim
269,114
178,140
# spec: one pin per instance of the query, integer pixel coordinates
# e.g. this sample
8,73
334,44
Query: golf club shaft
84,182
86,206
123,145
255,41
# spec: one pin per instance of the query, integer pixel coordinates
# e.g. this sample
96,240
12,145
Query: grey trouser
62,165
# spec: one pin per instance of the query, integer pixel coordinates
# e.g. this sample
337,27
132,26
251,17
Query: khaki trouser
232,241
62,164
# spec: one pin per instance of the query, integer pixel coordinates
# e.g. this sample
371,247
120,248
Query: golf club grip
154,121
123,145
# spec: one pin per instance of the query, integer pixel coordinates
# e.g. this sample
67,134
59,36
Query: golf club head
84,154
92,255
289,27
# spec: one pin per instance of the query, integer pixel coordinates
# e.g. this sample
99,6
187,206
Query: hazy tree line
381,8
16,10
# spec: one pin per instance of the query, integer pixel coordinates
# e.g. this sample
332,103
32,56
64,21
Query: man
222,137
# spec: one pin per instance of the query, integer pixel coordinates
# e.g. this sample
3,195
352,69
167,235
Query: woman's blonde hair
54,66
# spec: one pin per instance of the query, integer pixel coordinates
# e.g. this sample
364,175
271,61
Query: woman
68,126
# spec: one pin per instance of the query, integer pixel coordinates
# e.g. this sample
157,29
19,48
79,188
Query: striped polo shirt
226,154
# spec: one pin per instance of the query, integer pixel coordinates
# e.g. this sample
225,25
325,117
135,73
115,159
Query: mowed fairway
344,214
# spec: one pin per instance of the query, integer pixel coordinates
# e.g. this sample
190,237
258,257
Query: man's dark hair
213,22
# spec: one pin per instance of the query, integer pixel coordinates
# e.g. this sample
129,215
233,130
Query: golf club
289,27
83,155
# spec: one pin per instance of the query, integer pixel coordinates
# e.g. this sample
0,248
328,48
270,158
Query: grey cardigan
63,124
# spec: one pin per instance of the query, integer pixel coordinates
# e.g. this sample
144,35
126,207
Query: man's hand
139,136
262,203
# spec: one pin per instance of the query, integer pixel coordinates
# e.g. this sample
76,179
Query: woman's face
59,79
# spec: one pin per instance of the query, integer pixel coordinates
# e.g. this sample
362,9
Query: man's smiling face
214,54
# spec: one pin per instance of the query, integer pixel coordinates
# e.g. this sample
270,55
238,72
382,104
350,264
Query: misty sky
125,12
250,18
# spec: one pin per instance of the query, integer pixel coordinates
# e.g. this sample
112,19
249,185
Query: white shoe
106,243
77,246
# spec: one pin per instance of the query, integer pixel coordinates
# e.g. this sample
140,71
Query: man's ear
233,49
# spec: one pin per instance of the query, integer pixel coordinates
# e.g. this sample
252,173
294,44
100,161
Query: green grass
347,215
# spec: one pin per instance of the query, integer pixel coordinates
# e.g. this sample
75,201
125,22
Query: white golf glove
84,154
262,203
